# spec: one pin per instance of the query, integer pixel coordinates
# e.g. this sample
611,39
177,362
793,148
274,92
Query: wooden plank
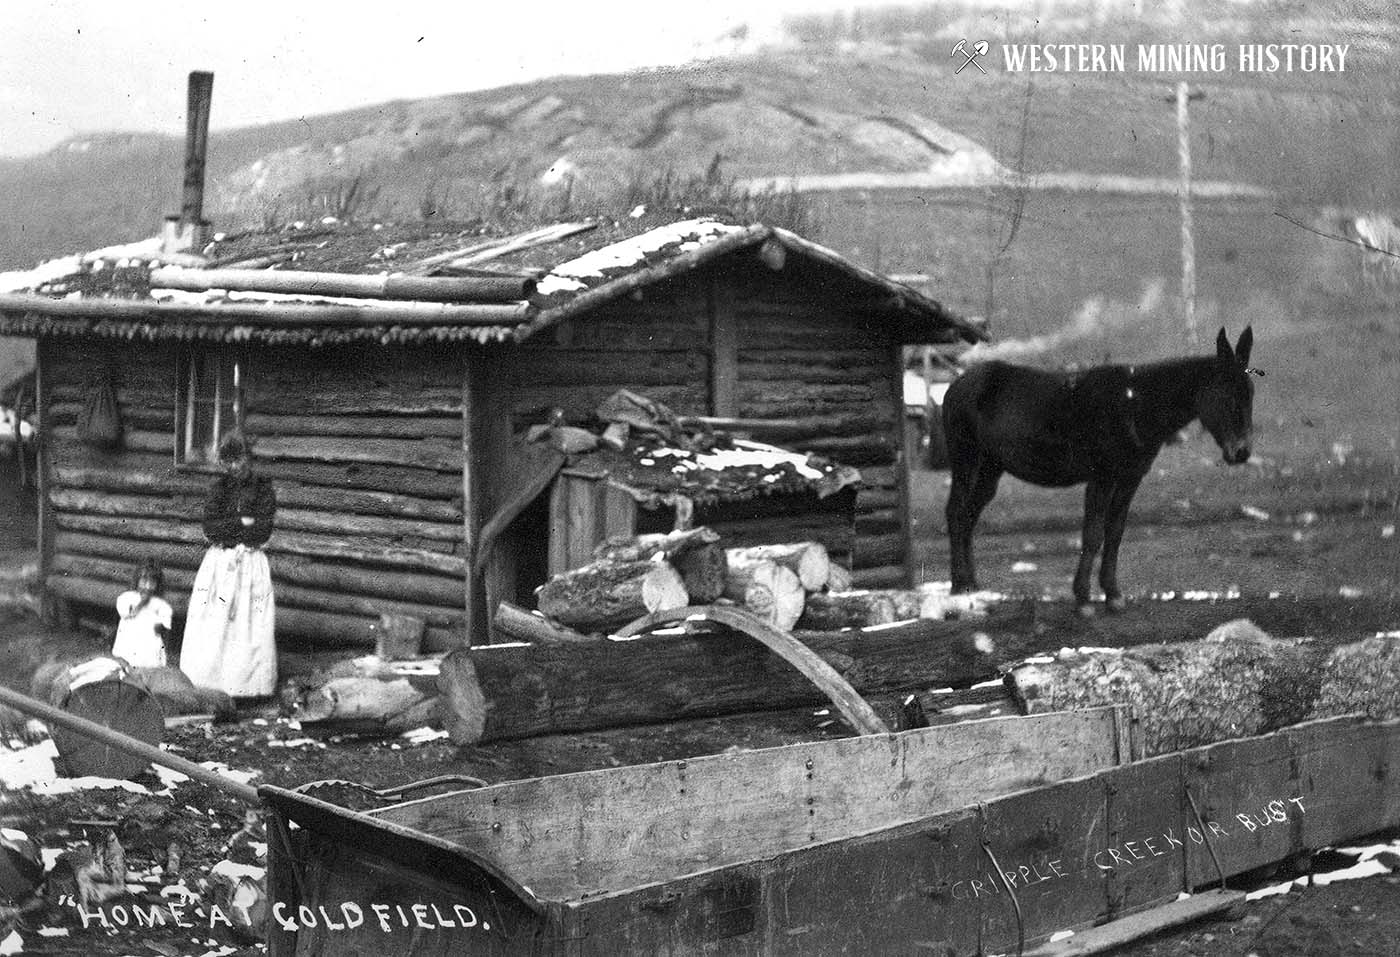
1146,850
856,712
905,457
43,458
1109,937
472,462
1345,781
610,830
1049,847
1235,784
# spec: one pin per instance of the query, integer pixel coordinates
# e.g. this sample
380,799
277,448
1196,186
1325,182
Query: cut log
764,587
853,609
606,594
839,578
807,559
97,691
515,622
464,703
1236,682
695,553
369,705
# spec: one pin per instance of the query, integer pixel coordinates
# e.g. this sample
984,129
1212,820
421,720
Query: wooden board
593,831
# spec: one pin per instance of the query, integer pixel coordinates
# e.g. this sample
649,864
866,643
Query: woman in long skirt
228,643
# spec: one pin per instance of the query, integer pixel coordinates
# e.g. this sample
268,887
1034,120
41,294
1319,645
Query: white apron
228,643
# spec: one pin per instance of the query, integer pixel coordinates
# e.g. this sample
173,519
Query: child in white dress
145,620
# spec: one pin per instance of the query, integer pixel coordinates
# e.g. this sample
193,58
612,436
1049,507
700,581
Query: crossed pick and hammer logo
979,49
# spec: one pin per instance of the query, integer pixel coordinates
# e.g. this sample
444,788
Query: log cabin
387,375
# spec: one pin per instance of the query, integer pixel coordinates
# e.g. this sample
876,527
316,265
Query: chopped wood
764,587
521,625
695,553
808,560
464,703
855,609
839,578
606,594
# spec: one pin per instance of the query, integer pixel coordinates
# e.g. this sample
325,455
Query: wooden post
724,350
1188,243
42,428
904,462
473,596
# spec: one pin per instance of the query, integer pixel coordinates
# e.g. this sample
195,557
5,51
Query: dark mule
1103,426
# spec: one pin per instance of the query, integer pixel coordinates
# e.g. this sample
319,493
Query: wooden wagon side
1055,853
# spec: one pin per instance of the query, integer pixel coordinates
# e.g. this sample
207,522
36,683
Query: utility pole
1188,242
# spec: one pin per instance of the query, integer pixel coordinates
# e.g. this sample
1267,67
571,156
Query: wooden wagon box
762,851
951,840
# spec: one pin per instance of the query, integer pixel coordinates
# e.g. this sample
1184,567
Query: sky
70,67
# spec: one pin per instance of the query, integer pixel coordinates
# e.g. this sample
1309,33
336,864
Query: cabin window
208,404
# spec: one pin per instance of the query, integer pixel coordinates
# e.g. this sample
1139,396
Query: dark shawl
232,497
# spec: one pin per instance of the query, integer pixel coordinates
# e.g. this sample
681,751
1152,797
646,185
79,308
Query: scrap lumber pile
1238,681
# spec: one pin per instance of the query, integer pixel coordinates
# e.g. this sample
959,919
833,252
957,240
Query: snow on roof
53,270
686,235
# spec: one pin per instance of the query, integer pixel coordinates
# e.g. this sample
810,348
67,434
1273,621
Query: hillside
839,107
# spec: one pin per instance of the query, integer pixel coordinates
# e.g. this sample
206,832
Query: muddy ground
1320,530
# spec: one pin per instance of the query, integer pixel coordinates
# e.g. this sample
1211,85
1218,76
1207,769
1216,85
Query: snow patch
690,234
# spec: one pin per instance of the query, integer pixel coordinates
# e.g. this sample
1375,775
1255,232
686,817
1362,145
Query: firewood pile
633,577
790,586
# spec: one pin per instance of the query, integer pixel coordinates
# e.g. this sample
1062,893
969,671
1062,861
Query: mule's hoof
1117,605
1086,610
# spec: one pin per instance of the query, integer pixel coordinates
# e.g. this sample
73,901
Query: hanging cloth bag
100,421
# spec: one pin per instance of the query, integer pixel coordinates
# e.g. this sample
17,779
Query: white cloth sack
229,643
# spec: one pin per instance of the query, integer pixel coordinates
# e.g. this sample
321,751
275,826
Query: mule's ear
1223,352
1244,345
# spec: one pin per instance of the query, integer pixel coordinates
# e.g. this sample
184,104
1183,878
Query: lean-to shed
388,380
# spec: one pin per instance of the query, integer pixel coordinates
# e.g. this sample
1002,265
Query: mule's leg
973,487
1096,498
1114,523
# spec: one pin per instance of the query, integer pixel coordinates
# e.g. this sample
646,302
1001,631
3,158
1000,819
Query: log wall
364,448
808,348
365,443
